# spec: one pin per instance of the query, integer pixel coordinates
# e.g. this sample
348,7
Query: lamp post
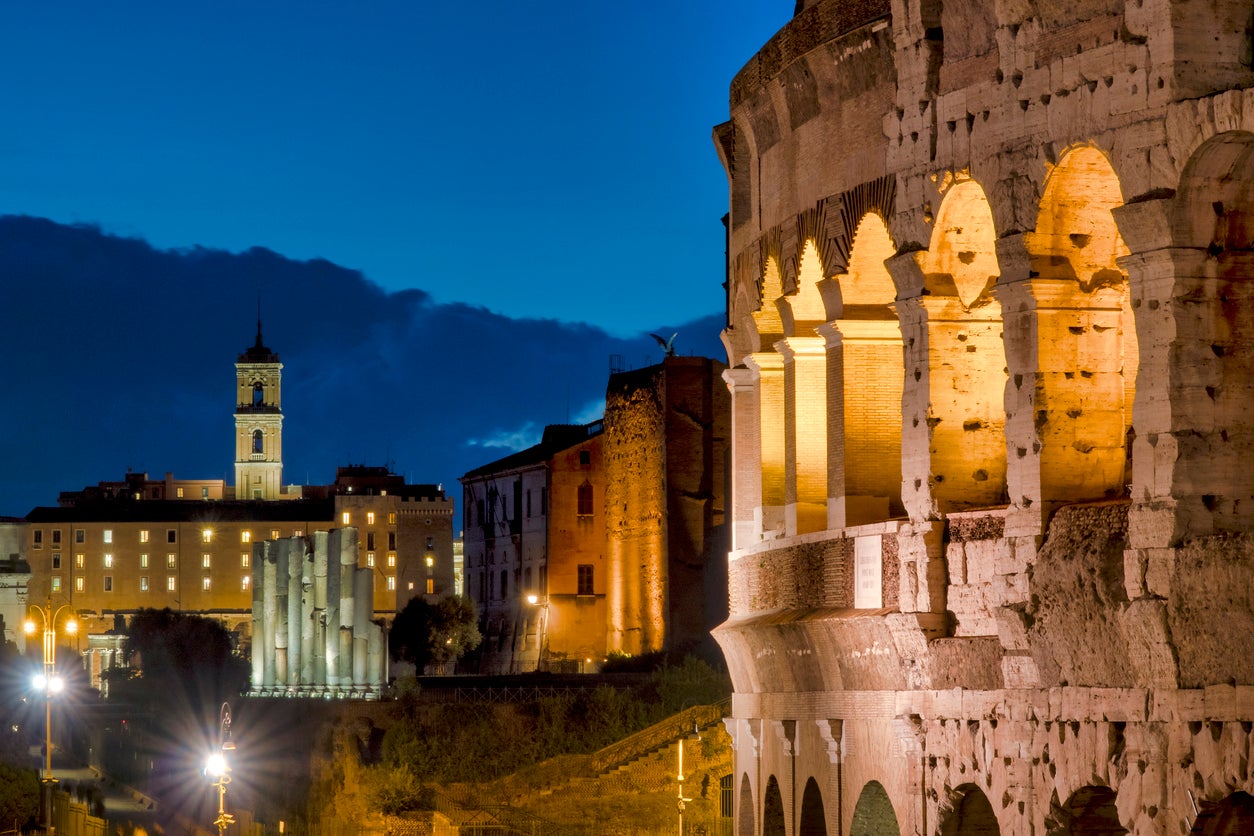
50,684
219,768
693,735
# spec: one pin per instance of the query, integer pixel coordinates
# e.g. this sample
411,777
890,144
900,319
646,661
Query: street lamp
50,683
694,735
219,768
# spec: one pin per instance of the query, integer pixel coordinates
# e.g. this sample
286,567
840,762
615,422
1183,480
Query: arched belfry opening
955,362
1074,313
873,815
813,821
865,368
971,815
804,355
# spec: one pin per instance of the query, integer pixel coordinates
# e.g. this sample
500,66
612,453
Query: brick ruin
991,357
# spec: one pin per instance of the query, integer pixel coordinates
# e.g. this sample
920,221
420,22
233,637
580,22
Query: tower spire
260,344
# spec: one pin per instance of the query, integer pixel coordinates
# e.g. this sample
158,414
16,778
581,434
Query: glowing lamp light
216,765
533,599
29,627
39,681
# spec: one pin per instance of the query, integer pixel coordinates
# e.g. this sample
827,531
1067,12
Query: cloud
119,355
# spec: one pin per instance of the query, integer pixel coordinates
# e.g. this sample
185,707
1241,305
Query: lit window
274,534
80,561
169,561
108,561
243,560
370,518
206,536
245,536
80,536
78,584
178,492
37,538
370,559
143,583
143,536
430,586
244,582
143,561
430,561
391,582
108,535
56,584
169,583
300,532
108,583
206,560
204,493
391,518
204,584
391,561
345,518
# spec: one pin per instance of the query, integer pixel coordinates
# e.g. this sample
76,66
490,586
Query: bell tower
258,423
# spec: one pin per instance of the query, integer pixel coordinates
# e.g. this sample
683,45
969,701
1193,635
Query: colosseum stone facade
991,349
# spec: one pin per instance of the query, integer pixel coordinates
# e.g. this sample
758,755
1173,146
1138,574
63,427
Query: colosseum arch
1234,816
805,398
744,811
1071,342
813,820
955,362
1212,359
873,815
971,815
865,368
1091,811
772,809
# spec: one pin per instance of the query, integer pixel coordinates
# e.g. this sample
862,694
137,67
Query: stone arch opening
972,815
873,815
865,366
1090,811
1076,303
805,398
744,812
1211,360
768,366
955,364
813,822
772,809
1233,816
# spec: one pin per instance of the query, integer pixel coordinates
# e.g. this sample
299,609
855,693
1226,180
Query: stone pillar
363,609
805,434
282,637
769,368
295,626
268,613
348,568
258,648
746,475
307,646
331,619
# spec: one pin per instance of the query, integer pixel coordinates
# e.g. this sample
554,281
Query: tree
424,634
19,794
185,654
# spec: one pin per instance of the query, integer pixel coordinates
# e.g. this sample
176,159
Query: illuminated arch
873,815
959,349
772,809
1086,346
813,821
868,371
971,815
744,812
1211,360
1090,811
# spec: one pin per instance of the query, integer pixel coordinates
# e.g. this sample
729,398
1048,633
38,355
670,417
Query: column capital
761,362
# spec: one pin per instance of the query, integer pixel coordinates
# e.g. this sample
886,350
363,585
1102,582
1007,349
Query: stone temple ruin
991,354
311,622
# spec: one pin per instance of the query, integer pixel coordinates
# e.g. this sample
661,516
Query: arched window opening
259,442
865,366
744,812
259,394
1090,811
813,822
1086,347
873,815
972,815
1234,816
772,810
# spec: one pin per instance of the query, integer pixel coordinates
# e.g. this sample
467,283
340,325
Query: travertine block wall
1035,298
